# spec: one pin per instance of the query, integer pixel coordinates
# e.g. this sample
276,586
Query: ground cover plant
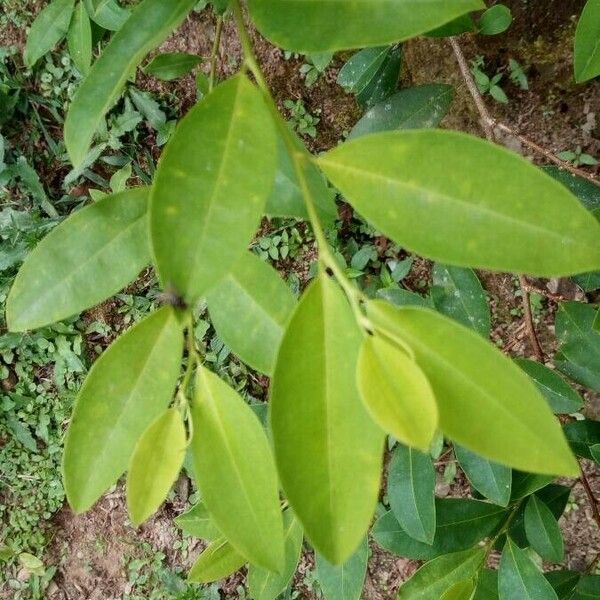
371,384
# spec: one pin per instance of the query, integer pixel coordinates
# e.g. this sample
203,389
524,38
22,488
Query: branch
591,498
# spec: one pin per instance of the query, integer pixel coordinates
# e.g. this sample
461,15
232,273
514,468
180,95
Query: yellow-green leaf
79,39
396,393
150,23
155,465
126,389
320,25
485,402
328,450
89,257
218,560
211,187
482,217
236,472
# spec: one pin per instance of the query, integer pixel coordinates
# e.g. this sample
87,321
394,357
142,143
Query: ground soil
555,113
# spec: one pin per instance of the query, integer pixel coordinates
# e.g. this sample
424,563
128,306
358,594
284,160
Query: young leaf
171,65
412,108
345,581
463,590
492,223
461,523
396,393
485,402
250,308
313,26
543,531
436,577
458,294
218,560
198,522
49,27
109,14
150,23
317,417
587,46
126,389
89,257
155,465
489,478
561,397
266,585
236,473
411,492
208,197
79,39
580,342
518,577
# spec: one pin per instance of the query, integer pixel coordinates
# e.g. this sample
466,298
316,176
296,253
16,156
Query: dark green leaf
588,588
384,82
543,531
487,585
582,435
361,68
563,582
496,19
171,65
587,192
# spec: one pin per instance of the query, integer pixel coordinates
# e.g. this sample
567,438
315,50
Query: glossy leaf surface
155,465
89,257
317,417
485,402
208,198
236,472
314,26
396,393
49,27
490,220
411,492
127,388
345,581
487,477
150,23
250,308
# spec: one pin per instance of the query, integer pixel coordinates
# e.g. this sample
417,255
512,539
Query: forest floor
99,555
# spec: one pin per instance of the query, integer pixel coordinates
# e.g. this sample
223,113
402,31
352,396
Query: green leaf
412,108
595,452
458,294
150,23
463,590
250,308
587,192
208,197
461,523
524,484
579,341
126,389
107,13
491,223
286,198
588,588
401,297
236,472
155,465
518,577
543,531
485,402
345,581
89,257
79,39
487,585
360,69
314,26
496,19
49,27
317,417
266,585
458,26
171,65
439,575
396,393
411,492
582,435
588,282
563,582
561,397
218,560
487,477
385,81
198,523
587,43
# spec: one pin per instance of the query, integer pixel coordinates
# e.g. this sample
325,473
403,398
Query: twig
590,494
215,52
487,122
